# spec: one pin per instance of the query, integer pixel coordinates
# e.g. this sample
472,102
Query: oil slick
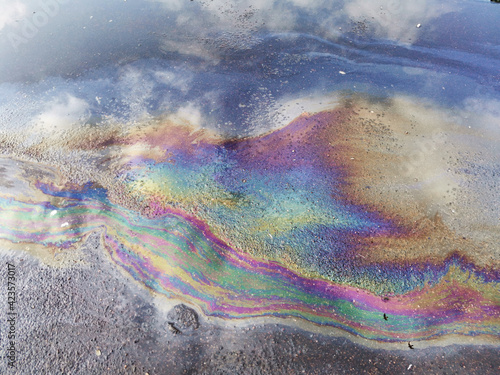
340,218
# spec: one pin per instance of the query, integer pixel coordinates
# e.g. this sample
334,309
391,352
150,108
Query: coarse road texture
91,319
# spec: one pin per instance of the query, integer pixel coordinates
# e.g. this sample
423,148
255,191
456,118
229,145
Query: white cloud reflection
10,12
397,20
62,114
207,30
391,19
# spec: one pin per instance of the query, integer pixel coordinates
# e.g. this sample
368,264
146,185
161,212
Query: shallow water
327,161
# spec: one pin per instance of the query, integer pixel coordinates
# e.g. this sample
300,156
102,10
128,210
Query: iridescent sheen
228,226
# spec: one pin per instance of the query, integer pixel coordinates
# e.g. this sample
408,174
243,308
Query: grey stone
183,318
